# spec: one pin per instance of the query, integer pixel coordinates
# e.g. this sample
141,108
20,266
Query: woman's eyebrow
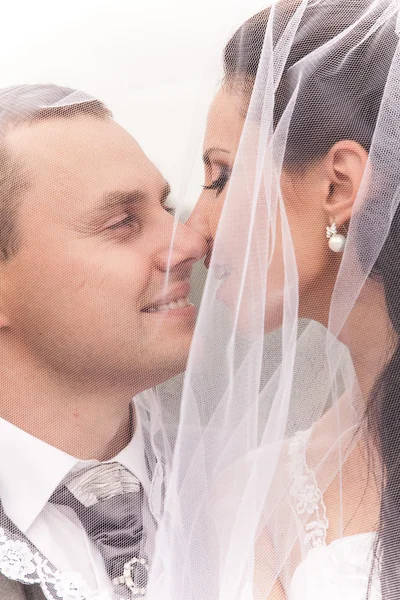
209,151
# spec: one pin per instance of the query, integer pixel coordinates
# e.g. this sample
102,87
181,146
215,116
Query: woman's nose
199,221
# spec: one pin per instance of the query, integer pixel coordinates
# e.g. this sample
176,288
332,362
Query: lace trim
19,562
307,497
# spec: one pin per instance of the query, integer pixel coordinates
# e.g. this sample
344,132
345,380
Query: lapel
12,590
22,563
26,574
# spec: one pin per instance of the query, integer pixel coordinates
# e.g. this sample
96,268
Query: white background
156,64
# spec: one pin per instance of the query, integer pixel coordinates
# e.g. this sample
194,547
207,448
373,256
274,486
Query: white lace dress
337,571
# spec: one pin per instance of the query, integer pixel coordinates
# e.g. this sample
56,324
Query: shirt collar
33,470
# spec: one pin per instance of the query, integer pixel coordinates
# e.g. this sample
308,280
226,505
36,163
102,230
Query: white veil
245,494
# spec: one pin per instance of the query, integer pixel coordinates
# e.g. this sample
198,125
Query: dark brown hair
341,100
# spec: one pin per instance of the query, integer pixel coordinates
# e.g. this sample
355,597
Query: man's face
81,295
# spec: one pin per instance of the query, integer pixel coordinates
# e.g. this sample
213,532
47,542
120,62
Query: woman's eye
219,183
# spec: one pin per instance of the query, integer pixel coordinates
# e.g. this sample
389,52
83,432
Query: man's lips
175,297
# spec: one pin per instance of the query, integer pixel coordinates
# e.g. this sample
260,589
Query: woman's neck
369,335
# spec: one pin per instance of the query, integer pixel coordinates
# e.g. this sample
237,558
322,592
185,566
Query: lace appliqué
306,495
20,562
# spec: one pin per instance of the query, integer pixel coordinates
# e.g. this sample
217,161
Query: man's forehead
82,158
78,140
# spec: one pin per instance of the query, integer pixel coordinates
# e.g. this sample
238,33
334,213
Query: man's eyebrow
120,199
209,151
117,199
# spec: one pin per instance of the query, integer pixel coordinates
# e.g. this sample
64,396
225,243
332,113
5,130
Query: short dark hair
24,105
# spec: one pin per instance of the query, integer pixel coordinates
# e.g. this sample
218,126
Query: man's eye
128,221
220,183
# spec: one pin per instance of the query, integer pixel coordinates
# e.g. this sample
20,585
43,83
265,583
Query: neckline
366,534
327,547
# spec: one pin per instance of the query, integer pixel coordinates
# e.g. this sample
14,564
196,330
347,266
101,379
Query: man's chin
170,356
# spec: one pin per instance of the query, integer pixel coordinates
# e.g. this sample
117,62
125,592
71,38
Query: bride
286,477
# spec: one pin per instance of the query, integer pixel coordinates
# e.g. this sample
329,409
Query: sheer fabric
285,455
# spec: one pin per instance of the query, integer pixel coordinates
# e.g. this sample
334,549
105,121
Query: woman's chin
253,317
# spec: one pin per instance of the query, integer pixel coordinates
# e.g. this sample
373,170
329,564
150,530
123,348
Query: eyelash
220,183
170,210
130,219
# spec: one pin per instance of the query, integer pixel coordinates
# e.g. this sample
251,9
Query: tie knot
101,482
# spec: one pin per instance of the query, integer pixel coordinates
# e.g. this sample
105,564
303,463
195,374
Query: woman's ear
344,166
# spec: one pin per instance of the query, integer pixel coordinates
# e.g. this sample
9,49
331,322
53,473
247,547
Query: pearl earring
336,240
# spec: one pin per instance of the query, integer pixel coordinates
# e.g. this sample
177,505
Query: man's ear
344,166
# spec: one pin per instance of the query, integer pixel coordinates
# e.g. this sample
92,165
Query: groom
88,318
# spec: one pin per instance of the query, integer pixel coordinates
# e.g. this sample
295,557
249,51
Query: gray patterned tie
108,501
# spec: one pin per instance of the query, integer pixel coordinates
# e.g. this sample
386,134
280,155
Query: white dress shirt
30,471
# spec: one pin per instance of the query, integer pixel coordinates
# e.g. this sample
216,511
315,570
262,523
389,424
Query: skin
94,253
314,197
320,194
317,266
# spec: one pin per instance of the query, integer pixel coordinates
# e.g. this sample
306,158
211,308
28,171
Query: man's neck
88,424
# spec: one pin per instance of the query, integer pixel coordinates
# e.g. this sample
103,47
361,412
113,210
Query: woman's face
302,195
